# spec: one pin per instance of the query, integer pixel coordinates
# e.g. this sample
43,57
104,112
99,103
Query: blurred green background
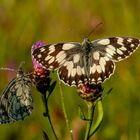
23,22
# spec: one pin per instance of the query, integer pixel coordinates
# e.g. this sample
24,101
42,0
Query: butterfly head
86,41
20,72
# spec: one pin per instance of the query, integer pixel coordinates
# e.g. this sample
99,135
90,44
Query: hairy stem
64,111
46,114
91,108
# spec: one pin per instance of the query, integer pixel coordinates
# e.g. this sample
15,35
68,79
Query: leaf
99,118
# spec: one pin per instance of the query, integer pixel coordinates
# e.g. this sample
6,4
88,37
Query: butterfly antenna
94,29
8,69
14,70
21,63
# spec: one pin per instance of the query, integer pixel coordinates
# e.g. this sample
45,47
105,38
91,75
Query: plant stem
64,111
46,114
91,108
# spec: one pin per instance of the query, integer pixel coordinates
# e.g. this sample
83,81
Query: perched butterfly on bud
16,100
87,62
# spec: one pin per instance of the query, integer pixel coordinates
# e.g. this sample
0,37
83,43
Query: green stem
46,114
91,108
64,111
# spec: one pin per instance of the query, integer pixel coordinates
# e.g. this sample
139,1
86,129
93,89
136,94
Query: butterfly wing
101,68
16,100
75,66
107,51
73,72
21,101
117,48
54,56
4,104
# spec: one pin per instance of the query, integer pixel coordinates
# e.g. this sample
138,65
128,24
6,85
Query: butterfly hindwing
101,68
21,103
73,72
16,100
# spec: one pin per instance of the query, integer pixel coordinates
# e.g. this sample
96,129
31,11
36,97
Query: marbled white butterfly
16,100
88,62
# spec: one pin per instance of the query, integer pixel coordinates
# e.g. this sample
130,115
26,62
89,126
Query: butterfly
16,100
87,62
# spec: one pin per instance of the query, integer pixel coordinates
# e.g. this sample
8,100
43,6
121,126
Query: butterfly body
16,100
87,62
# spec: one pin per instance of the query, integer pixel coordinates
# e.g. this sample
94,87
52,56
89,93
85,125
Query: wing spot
48,57
99,79
83,70
39,55
93,68
132,45
93,80
99,69
119,58
85,79
110,51
51,60
106,58
111,47
79,72
51,49
129,40
42,49
51,67
96,55
108,55
73,82
119,51
104,42
123,48
80,81
68,46
60,56
120,41
76,58
69,66
42,62
102,63
73,73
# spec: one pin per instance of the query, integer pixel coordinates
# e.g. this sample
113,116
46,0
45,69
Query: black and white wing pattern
88,62
16,100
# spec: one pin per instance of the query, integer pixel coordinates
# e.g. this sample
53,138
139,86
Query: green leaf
99,119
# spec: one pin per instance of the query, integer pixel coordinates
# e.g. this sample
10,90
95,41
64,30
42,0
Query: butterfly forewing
89,62
55,55
16,100
117,48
